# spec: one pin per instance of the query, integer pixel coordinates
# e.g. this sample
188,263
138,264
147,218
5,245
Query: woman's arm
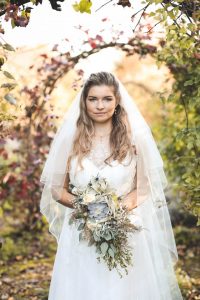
130,200
65,198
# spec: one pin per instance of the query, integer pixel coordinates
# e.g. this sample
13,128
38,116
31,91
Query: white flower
75,191
88,198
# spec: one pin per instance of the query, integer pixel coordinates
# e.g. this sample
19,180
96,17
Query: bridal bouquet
103,222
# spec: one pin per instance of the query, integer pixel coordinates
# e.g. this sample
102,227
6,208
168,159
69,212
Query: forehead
101,90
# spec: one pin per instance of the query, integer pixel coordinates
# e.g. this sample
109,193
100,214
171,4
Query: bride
102,130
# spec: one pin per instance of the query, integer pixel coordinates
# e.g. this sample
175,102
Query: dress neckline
98,168
113,163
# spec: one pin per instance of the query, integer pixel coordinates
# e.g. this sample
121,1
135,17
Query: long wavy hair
120,142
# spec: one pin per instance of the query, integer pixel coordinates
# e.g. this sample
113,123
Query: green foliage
9,249
6,86
181,130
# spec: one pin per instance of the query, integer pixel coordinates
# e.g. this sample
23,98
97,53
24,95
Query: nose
100,105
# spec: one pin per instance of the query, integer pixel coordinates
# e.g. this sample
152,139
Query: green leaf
13,23
96,237
8,75
8,47
157,1
113,248
98,250
2,60
172,27
108,237
81,226
10,86
104,247
192,27
10,98
171,14
76,7
188,82
23,13
83,6
7,206
152,14
112,254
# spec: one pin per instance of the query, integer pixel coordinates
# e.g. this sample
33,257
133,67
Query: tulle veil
151,179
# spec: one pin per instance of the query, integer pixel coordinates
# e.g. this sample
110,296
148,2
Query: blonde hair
120,142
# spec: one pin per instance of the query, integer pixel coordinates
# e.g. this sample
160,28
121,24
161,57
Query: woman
104,133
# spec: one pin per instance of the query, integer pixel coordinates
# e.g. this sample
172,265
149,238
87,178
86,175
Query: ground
26,263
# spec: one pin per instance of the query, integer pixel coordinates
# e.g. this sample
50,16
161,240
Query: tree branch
154,26
72,61
175,20
138,22
187,15
143,8
103,5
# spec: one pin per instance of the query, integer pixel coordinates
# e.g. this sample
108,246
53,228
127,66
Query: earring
115,111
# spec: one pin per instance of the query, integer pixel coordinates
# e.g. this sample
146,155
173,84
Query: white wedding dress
77,274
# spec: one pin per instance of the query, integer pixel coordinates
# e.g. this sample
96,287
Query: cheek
89,106
111,107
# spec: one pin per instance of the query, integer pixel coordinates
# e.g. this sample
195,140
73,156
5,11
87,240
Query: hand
129,202
65,198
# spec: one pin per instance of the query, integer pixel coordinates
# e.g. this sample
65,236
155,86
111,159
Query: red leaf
92,43
99,38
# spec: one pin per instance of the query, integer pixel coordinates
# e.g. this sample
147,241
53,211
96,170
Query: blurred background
51,57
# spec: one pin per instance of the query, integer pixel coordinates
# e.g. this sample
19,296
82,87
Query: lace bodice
100,151
121,176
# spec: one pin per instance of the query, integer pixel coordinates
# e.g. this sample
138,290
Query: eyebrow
96,97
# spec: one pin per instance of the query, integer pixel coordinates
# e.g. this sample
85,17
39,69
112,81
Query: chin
102,120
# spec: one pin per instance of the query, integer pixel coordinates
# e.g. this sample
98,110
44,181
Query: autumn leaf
8,47
83,6
8,75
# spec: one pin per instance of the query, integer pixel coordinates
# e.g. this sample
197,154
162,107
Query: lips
99,114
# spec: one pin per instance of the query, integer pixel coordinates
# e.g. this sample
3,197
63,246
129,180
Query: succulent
98,211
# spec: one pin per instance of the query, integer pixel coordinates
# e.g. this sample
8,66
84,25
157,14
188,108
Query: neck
102,129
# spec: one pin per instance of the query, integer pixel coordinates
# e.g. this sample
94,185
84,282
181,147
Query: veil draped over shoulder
151,179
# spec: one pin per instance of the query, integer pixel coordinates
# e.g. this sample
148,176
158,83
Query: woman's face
101,103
